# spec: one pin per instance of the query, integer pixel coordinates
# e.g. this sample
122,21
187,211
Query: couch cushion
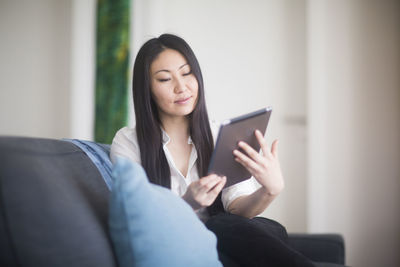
151,226
99,154
54,205
319,247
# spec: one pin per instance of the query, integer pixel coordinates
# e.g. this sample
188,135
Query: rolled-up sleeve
243,188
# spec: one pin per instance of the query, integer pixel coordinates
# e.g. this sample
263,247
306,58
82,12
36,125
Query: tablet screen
231,132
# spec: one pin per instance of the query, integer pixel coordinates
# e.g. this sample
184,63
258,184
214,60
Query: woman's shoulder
126,133
214,125
125,144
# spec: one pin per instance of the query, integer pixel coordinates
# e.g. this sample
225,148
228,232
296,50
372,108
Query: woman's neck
177,128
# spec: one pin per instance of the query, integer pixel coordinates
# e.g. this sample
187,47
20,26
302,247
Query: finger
250,151
207,178
262,142
274,148
209,184
215,191
248,163
253,169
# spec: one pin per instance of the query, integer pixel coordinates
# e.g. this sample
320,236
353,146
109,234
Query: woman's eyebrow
161,71
183,66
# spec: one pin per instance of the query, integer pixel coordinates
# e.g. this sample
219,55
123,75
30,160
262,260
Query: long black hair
148,122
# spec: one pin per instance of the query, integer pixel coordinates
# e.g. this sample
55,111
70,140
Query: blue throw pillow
150,226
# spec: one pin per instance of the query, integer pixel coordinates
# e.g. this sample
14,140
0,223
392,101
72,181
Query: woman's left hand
265,168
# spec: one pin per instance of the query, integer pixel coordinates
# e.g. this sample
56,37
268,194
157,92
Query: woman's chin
180,111
184,111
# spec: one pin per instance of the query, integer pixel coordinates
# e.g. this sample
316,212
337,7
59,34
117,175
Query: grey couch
54,204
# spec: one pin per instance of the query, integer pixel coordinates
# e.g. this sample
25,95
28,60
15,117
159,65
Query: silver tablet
230,133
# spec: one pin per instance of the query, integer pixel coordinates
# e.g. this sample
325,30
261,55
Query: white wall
35,68
83,35
354,129
47,68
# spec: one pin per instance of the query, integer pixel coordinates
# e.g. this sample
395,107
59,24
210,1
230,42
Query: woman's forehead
169,60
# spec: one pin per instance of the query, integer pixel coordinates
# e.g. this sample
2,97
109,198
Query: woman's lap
254,242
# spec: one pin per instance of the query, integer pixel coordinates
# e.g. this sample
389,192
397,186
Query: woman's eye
187,73
164,80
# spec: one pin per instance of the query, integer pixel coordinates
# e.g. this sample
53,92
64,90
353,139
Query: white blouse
125,144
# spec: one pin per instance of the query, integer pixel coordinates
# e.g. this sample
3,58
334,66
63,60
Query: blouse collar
166,139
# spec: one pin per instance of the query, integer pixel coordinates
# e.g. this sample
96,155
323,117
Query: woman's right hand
203,192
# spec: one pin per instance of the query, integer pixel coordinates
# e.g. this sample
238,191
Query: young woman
173,140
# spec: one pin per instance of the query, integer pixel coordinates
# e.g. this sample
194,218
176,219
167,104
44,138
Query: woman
173,141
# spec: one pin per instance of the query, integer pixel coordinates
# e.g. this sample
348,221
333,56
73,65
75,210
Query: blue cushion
151,226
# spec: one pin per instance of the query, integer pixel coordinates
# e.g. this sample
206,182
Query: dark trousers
253,242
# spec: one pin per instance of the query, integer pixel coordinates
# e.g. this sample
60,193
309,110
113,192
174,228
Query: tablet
230,133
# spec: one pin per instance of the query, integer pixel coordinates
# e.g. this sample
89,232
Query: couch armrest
319,247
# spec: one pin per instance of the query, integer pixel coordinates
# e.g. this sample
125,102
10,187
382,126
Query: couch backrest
53,206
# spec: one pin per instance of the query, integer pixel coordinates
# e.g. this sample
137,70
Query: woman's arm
252,205
266,170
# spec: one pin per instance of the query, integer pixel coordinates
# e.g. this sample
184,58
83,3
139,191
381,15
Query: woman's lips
183,100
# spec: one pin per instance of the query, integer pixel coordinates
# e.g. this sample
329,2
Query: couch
54,207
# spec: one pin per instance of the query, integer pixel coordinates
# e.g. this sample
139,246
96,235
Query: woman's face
173,85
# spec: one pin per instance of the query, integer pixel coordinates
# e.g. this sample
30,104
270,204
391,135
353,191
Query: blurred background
329,68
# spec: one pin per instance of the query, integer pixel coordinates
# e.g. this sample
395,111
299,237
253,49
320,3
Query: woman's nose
179,86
